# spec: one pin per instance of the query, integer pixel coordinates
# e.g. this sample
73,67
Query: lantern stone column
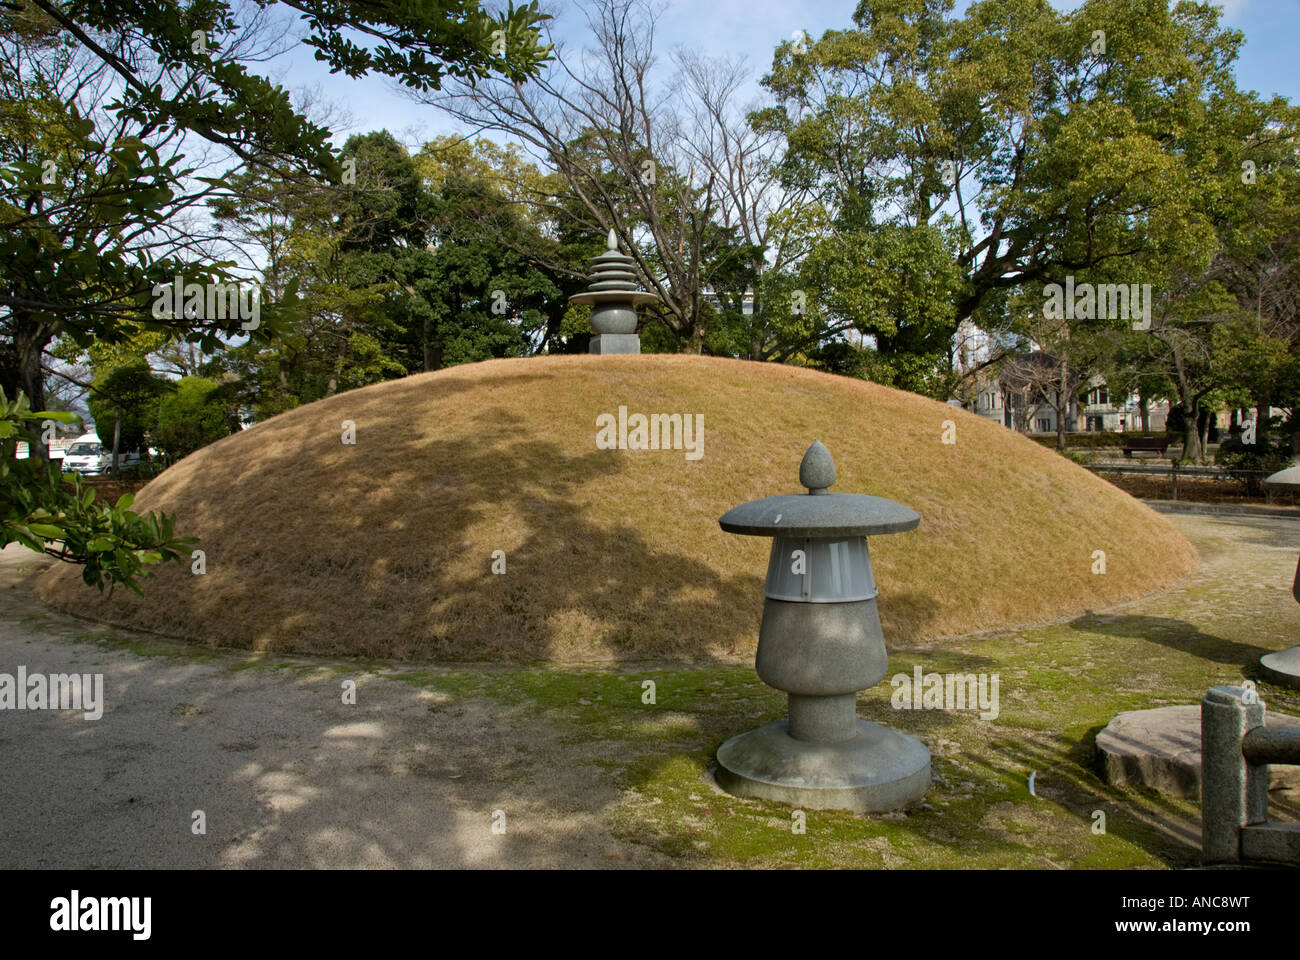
613,297
821,642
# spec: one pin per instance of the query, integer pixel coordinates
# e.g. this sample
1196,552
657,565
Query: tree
1028,147
764,229
609,128
94,196
95,202
1033,380
893,285
417,44
1259,353
197,412
502,268
125,400
81,251
419,263
1231,324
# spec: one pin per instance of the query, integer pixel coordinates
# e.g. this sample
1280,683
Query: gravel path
285,773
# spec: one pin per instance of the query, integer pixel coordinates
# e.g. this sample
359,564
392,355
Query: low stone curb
1227,509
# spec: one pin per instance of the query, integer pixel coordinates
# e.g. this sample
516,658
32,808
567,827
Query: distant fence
110,488
1182,481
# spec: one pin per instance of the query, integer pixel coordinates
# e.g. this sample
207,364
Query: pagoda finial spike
611,242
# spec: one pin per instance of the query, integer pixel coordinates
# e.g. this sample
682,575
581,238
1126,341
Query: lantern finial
817,469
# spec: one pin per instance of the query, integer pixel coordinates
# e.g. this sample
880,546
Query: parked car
89,456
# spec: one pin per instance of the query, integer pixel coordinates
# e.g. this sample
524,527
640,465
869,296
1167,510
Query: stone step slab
1161,748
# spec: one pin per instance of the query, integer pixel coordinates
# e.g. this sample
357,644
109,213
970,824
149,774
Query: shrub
142,470
1252,462
58,514
194,415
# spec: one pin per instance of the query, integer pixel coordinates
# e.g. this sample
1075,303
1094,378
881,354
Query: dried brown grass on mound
385,548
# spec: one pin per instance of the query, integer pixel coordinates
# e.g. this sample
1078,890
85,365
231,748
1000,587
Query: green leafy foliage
126,399
1100,439
1252,462
59,516
424,261
90,197
197,412
961,158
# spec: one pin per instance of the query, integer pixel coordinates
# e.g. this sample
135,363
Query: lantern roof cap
818,513
1288,479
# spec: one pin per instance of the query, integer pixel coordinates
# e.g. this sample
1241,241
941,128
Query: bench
1157,444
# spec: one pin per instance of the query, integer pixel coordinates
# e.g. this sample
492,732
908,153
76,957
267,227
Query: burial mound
386,547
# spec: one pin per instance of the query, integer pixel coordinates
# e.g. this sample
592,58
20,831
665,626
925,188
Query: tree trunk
21,370
1203,424
1191,433
332,386
1062,405
1144,408
30,351
117,437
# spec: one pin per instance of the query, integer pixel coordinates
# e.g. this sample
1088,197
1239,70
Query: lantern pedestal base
879,769
1283,667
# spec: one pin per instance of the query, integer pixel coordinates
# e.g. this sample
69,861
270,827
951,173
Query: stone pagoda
613,296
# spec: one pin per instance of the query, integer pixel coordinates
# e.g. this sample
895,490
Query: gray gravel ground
286,774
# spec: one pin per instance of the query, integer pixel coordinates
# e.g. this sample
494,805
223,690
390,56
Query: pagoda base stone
879,769
616,343
1282,668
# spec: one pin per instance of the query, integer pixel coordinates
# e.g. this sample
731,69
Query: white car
89,456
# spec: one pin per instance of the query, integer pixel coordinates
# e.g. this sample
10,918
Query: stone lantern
821,642
1283,667
613,297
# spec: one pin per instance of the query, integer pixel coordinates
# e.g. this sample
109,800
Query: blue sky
751,29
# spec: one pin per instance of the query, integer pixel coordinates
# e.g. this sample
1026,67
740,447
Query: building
1023,396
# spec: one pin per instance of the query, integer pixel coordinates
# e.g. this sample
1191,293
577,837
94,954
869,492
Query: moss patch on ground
1059,684
978,814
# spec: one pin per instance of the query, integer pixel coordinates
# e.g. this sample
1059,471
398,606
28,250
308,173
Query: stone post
1234,792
